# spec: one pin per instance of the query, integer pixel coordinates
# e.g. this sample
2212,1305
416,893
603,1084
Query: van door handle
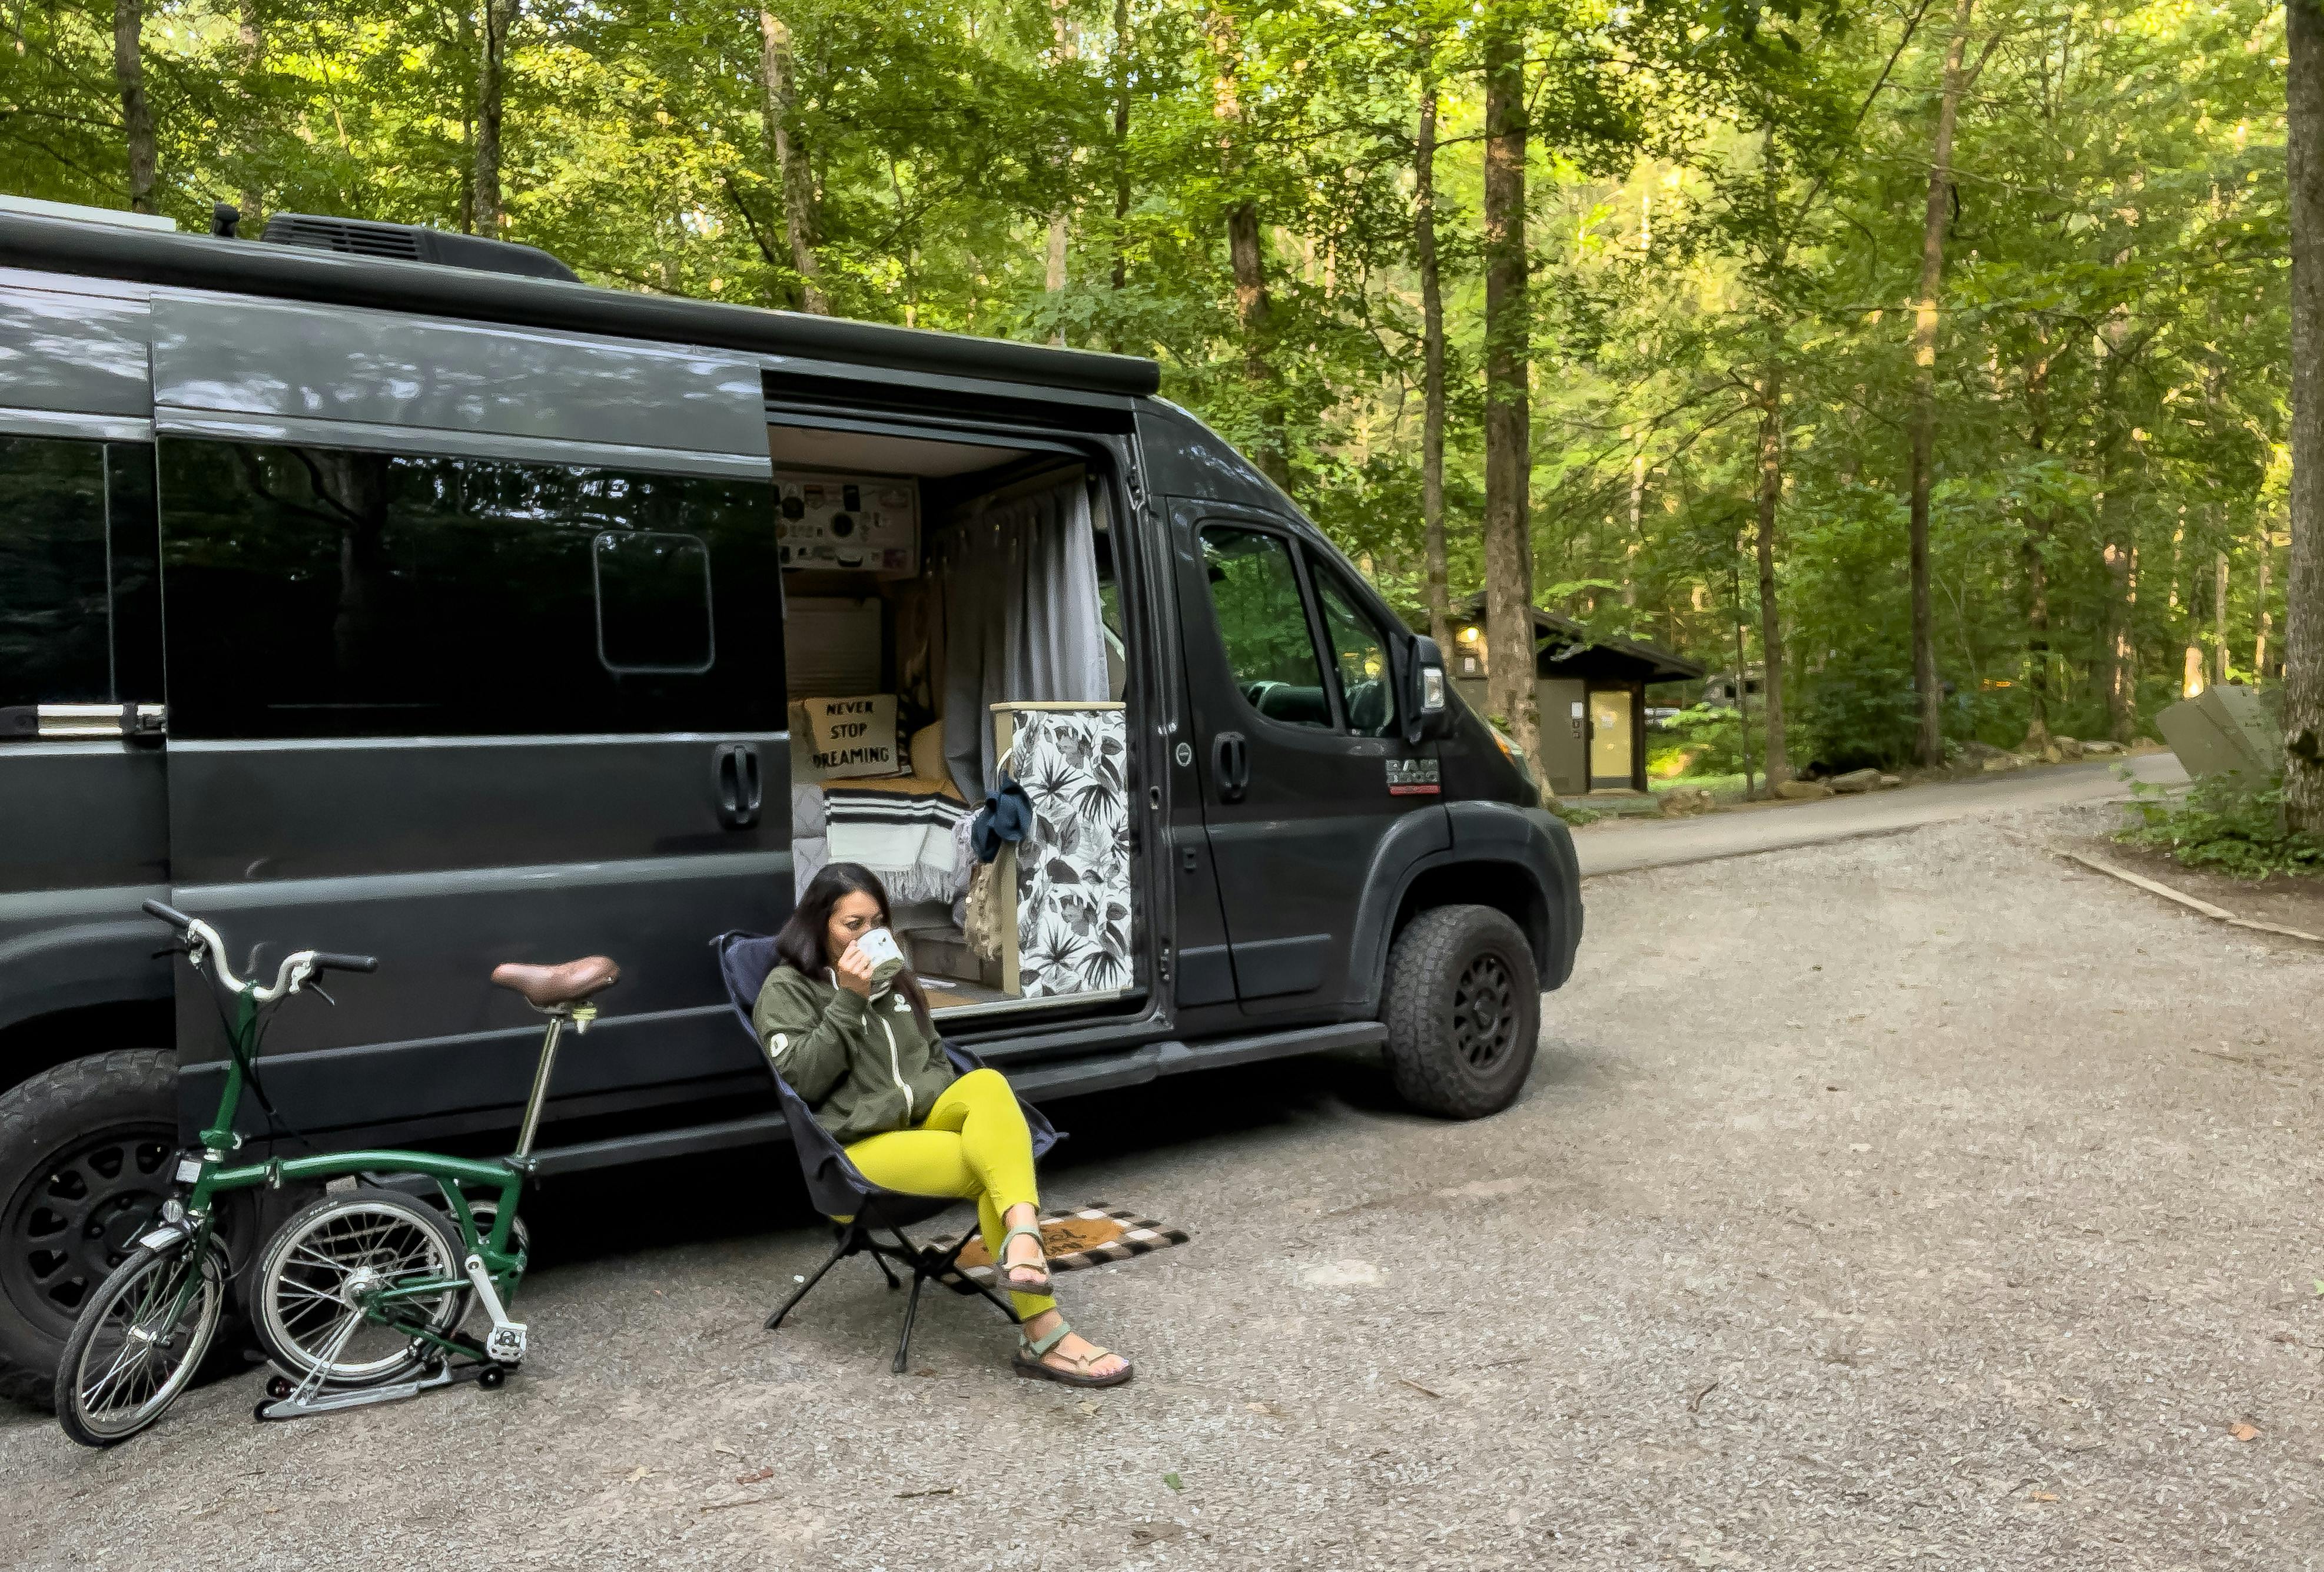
735,771
1230,765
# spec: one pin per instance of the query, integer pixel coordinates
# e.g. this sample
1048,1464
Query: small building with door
1593,693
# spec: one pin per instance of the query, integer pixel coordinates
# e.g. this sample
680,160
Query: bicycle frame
211,1175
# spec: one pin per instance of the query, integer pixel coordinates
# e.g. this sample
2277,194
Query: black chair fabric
834,1185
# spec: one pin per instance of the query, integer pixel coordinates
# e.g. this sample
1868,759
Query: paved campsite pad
1990,1244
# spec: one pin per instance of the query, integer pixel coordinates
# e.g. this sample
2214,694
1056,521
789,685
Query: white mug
879,947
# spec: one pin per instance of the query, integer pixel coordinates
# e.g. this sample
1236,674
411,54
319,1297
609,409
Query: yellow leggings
974,1145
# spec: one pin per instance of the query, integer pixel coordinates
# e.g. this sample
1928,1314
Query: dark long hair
801,942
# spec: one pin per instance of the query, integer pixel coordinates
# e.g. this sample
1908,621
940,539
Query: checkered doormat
1088,1235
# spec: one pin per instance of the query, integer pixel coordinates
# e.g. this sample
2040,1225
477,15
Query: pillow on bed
851,738
928,754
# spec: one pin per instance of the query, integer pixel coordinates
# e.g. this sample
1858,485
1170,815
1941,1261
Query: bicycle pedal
504,1343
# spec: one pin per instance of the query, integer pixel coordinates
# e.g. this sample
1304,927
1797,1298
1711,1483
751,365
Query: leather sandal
1003,1267
1031,1360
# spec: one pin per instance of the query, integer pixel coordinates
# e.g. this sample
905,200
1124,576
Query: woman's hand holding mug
854,970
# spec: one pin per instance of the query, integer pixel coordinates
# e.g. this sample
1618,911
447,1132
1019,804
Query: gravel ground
1912,1200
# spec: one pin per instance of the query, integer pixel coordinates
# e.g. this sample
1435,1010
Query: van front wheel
1462,1009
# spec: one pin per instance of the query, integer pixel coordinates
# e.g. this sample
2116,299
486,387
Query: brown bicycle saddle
549,987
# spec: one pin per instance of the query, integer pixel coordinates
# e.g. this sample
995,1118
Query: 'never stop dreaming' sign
847,738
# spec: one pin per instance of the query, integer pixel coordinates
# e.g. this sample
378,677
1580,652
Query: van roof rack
413,242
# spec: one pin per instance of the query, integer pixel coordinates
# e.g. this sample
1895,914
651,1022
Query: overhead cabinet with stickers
462,614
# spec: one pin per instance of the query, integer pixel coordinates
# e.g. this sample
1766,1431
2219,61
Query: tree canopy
1744,286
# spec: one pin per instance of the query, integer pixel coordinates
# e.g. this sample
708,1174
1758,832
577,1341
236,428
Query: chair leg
949,1262
911,1309
886,1271
846,1246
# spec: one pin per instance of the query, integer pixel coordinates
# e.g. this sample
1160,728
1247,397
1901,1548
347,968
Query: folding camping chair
839,1191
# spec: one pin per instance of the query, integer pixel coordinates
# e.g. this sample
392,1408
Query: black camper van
384,595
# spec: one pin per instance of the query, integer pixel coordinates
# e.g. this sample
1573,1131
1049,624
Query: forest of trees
1931,355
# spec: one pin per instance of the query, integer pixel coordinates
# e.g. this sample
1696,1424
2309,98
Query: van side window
1359,659
653,602
318,591
1263,621
77,607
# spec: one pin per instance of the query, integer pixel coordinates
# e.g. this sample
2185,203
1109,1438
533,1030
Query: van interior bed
951,618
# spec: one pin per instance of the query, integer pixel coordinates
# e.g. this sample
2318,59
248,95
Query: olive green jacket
862,1065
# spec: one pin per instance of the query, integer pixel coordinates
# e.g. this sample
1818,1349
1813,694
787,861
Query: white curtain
1021,620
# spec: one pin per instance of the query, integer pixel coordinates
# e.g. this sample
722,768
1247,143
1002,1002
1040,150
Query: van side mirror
1427,707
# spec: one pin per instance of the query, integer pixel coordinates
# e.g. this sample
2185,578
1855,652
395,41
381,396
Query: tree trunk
778,98
2304,608
1246,257
1770,627
491,70
1431,363
2263,623
1508,451
1054,269
1121,148
2034,549
1930,745
2121,671
2219,617
252,40
1638,523
136,112
465,31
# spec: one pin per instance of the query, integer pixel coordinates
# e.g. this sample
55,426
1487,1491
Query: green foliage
2224,822
1702,739
1722,192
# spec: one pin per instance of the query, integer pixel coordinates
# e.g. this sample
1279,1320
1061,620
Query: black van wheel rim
1485,1012
78,1217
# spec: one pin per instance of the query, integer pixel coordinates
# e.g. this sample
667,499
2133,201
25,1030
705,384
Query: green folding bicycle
359,1298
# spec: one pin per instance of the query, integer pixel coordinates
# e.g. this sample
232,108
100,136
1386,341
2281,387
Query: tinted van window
327,593
1263,621
1360,660
653,602
78,613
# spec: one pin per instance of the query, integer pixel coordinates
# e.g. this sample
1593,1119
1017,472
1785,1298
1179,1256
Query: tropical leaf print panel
1073,906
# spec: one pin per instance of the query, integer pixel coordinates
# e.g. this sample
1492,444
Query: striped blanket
905,836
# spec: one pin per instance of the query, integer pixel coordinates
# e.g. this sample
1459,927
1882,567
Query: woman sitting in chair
865,1055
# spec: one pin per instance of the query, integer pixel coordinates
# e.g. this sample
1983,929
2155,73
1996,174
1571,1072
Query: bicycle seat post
564,994
557,1017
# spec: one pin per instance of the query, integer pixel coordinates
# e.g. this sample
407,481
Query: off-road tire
1462,1008
41,1120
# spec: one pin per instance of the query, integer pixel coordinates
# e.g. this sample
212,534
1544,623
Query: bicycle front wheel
317,1299
138,1342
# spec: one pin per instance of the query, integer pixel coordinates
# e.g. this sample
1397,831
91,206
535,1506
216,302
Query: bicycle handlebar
204,947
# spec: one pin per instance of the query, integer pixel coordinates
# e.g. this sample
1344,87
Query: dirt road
1914,1201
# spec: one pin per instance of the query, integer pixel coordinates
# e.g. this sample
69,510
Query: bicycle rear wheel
138,1341
323,1266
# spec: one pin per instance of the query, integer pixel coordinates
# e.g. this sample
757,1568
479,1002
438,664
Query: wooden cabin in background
1593,693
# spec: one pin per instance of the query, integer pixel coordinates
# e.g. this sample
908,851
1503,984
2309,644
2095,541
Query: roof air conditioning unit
413,242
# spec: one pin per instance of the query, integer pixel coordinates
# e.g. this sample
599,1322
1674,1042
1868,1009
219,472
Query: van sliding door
474,653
